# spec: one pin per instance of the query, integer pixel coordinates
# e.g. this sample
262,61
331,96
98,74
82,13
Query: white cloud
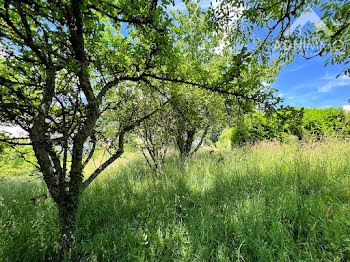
333,82
324,84
297,68
327,76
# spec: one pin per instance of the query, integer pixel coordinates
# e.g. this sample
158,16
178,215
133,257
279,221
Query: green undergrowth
268,202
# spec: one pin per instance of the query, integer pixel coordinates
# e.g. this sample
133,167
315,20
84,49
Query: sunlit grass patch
267,202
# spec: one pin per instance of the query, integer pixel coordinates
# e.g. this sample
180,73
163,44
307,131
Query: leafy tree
62,60
155,134
193,110
197,111
214,134
191,115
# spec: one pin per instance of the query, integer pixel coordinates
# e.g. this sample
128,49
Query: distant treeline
288,123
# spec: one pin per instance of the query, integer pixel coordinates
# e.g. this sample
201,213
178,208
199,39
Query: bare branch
102,167
92,151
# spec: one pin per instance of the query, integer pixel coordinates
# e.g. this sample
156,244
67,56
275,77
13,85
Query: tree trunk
184,144
67,212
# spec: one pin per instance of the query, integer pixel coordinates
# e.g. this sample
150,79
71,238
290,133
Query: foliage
266,23
326,122
242,134
278,124
195,111
288,122
224,138
269,202
214,134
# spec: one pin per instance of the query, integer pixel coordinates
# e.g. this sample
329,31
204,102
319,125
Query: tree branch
92,151
201,141
120,150
102,167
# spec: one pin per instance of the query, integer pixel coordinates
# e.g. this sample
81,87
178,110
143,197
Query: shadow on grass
211,209
223,217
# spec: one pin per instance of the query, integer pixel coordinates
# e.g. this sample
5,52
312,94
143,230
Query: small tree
190,117
195,111
156,139
61,58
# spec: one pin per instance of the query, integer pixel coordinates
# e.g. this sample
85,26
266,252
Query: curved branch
92,151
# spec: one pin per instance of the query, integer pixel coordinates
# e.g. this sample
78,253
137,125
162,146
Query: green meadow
267,202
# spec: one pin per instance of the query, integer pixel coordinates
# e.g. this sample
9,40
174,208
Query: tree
196,111
190,117
61,60
156,139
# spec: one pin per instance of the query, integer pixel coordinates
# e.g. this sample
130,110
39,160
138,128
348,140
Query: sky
307,83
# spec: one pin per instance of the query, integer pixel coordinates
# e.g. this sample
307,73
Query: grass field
269,202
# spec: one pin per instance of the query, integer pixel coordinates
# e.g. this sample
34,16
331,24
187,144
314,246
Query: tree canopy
273,26
69,67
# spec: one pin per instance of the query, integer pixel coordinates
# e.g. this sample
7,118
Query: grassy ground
11,164
269,202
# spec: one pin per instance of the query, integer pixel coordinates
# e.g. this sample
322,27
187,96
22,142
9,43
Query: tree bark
184,143
67,212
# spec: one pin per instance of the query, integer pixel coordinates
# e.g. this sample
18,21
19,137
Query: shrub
224,137
278,124
288,124
325,122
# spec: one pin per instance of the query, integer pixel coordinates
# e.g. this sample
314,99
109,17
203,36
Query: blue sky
307,83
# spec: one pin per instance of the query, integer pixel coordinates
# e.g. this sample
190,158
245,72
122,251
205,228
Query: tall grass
269,202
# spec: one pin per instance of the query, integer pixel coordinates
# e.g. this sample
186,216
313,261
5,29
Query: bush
243,133
325,122
224,137
280,124
288,124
